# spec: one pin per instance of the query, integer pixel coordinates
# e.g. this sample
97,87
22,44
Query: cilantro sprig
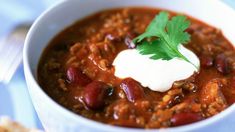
162,37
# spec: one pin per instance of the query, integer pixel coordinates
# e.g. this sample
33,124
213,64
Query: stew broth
76,71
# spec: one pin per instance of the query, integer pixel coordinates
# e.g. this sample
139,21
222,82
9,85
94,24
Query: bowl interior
57,18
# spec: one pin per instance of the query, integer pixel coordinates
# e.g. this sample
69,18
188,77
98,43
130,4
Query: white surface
148,72
56,118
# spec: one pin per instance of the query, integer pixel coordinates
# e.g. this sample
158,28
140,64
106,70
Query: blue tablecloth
14,98
13,12
15,101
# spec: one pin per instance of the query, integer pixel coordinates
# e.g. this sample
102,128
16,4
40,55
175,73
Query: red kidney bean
131,35
74,75
132,89
221,64
113,37
128,40
129,43
185,118
190,30
206,61
95,93
233,82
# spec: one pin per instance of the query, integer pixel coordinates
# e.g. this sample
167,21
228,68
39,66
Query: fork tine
10,61
11,53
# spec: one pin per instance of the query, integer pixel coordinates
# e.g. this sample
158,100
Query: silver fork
11,49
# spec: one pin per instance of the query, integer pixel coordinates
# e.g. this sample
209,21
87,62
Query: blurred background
15,102
16,16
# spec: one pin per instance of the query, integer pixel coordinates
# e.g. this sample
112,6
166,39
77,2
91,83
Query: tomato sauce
76,71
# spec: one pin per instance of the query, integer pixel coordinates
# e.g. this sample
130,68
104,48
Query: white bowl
56,118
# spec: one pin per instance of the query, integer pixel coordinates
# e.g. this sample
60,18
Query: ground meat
212,97
78,63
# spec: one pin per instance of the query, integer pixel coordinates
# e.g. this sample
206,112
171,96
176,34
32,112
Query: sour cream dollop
158,75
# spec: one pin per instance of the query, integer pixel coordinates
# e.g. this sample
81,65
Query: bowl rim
88,122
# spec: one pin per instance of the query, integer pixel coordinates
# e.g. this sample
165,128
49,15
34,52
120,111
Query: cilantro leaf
175,29
153,30
167,34
148,48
